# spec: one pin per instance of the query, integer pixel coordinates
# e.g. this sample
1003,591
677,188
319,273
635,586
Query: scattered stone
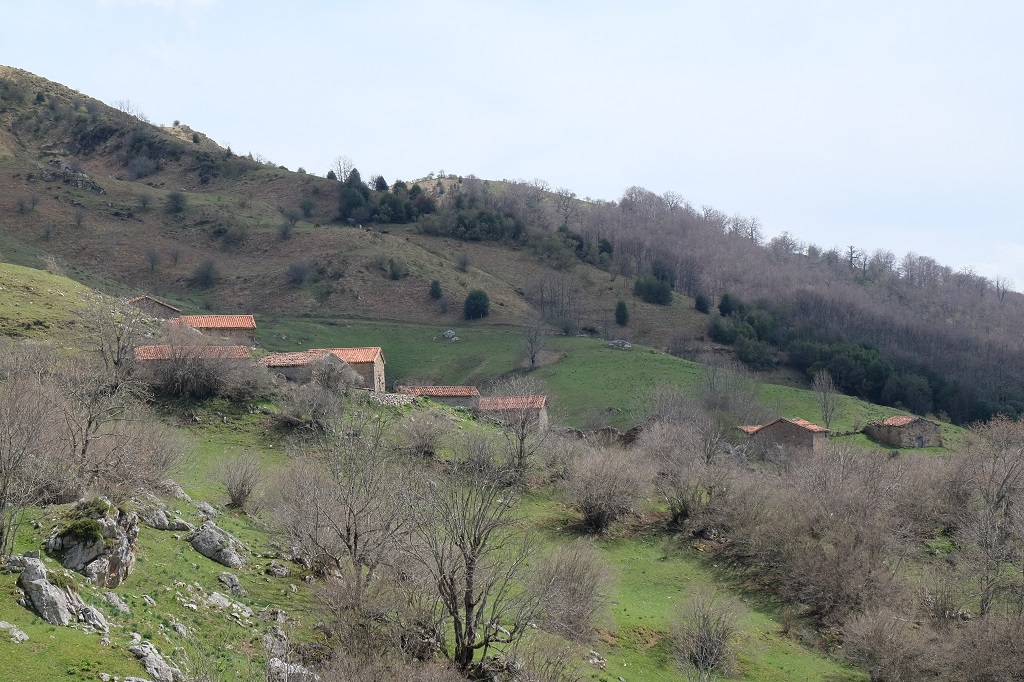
104,641
207,510
620,344
231,582
279,671
277,570
218,600
214,543
92,617
158,668
115,601
180,629
17,636
149,600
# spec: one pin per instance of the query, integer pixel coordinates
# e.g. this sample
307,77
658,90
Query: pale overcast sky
886,124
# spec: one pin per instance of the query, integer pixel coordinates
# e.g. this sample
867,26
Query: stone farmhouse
167,352
513,409
368,362
454,396
794,435
154,308
223,329
905,432
297,366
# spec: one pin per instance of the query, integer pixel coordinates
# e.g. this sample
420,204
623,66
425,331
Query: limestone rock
100,543
115,601
214,543
54,605
206,509
158,668
92,617
277,570
279,671
17,636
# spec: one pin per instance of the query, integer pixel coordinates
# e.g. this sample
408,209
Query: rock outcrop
98,541
155,664
55,605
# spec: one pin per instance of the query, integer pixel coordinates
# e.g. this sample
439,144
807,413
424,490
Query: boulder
55,605
92,617
277,570
231,582
17,636
158,668
116,602
214,543
207,510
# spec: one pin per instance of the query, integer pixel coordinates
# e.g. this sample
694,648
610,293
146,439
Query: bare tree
25,438
343,165
525,432
828,397
534,335
468,543
153,258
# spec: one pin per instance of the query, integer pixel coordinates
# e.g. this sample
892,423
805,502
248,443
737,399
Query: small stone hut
796,435
905,432
516,409
454,396
297,366
226,330
154,308
368,362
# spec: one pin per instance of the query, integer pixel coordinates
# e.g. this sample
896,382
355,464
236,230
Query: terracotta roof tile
900,420
217,321
166,352
802,423
440,391
354,356
515,402
150,298
296,359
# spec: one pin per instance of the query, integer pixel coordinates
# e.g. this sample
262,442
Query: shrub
605,486
707,625
240,477
176,202
195,138
702,303
477,305
435,290
621,314
306,206
396,269
463,263
653,290
206,275
299,273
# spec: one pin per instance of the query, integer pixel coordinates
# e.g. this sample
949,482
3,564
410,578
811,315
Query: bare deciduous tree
534,335
828,397
468,544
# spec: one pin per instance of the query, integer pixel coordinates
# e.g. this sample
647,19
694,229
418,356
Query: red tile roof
166,352
150,298
297,359
440,391
354,356
802,423
515,402
901,420
217,321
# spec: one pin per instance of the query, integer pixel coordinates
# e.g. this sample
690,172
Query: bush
605,485
206,275
176,202
707,625
653,290
299,273
702,304
621,314
435,290
396,269
477,305
240,477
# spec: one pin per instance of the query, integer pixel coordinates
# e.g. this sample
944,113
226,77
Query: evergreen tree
621,314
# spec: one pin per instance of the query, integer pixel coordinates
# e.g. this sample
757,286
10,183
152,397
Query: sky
894,125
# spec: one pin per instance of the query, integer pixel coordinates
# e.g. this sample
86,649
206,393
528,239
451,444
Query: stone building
905,432
794,435
455,396
297,366
368,362
223,329
154,308
514,409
